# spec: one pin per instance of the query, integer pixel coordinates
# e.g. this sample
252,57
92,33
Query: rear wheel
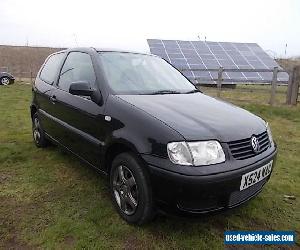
5,81
130,189
38,133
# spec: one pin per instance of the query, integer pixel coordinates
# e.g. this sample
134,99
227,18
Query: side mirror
83,88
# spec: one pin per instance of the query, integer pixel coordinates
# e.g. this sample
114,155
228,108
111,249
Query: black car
163,144
6,78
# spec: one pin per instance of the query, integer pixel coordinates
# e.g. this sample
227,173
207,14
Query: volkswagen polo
163,144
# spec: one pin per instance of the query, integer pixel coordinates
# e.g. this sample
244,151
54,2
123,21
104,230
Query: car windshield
130,73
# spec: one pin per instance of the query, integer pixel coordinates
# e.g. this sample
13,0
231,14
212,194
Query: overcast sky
127,24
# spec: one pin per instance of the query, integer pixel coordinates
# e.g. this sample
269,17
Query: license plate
256,176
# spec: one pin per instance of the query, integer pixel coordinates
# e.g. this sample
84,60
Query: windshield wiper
192,91
163,92
66,71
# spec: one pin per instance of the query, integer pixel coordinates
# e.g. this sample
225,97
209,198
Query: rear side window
78,67
51,68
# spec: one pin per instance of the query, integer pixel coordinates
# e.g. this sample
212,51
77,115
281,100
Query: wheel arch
115,148
33,110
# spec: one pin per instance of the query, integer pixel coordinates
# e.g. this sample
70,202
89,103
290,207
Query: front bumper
178,193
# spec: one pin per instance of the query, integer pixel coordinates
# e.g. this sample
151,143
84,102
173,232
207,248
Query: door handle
53,99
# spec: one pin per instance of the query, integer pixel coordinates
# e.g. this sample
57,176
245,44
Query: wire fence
24,77
3,69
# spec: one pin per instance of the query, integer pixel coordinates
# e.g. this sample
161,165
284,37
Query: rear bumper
177,193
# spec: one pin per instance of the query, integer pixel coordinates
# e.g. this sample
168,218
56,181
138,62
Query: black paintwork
145,124
10,76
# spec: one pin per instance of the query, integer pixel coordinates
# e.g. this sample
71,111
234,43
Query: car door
44,88
81,120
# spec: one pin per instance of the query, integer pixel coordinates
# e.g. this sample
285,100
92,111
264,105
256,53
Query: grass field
48,199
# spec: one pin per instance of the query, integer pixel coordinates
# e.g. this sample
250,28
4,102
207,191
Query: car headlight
196,153
269,133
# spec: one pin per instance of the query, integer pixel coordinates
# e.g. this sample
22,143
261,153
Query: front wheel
5,81
130,189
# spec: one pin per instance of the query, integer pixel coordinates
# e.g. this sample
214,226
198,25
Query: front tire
38,133
131,190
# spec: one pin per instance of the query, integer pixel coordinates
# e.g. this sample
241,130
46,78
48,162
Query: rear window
51,68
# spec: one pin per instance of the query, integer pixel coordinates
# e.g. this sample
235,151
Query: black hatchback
163,144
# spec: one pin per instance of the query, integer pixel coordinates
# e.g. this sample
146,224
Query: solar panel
192,56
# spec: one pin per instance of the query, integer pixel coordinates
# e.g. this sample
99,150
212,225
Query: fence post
274,86
290,86
220,79
295,86
31,78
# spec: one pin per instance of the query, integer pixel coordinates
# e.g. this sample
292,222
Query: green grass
48,199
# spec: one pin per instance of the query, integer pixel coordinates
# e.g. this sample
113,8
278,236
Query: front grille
238,197
242,149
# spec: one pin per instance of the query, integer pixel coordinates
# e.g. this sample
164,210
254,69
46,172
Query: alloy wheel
125,190
36,130
4,81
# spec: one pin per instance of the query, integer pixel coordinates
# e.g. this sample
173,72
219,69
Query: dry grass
21,60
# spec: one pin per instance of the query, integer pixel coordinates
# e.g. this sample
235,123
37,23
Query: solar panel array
192,56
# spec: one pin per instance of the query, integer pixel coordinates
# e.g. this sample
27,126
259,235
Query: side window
78,67
51,68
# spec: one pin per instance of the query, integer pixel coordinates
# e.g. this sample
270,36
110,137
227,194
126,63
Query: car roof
92,49
120,50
